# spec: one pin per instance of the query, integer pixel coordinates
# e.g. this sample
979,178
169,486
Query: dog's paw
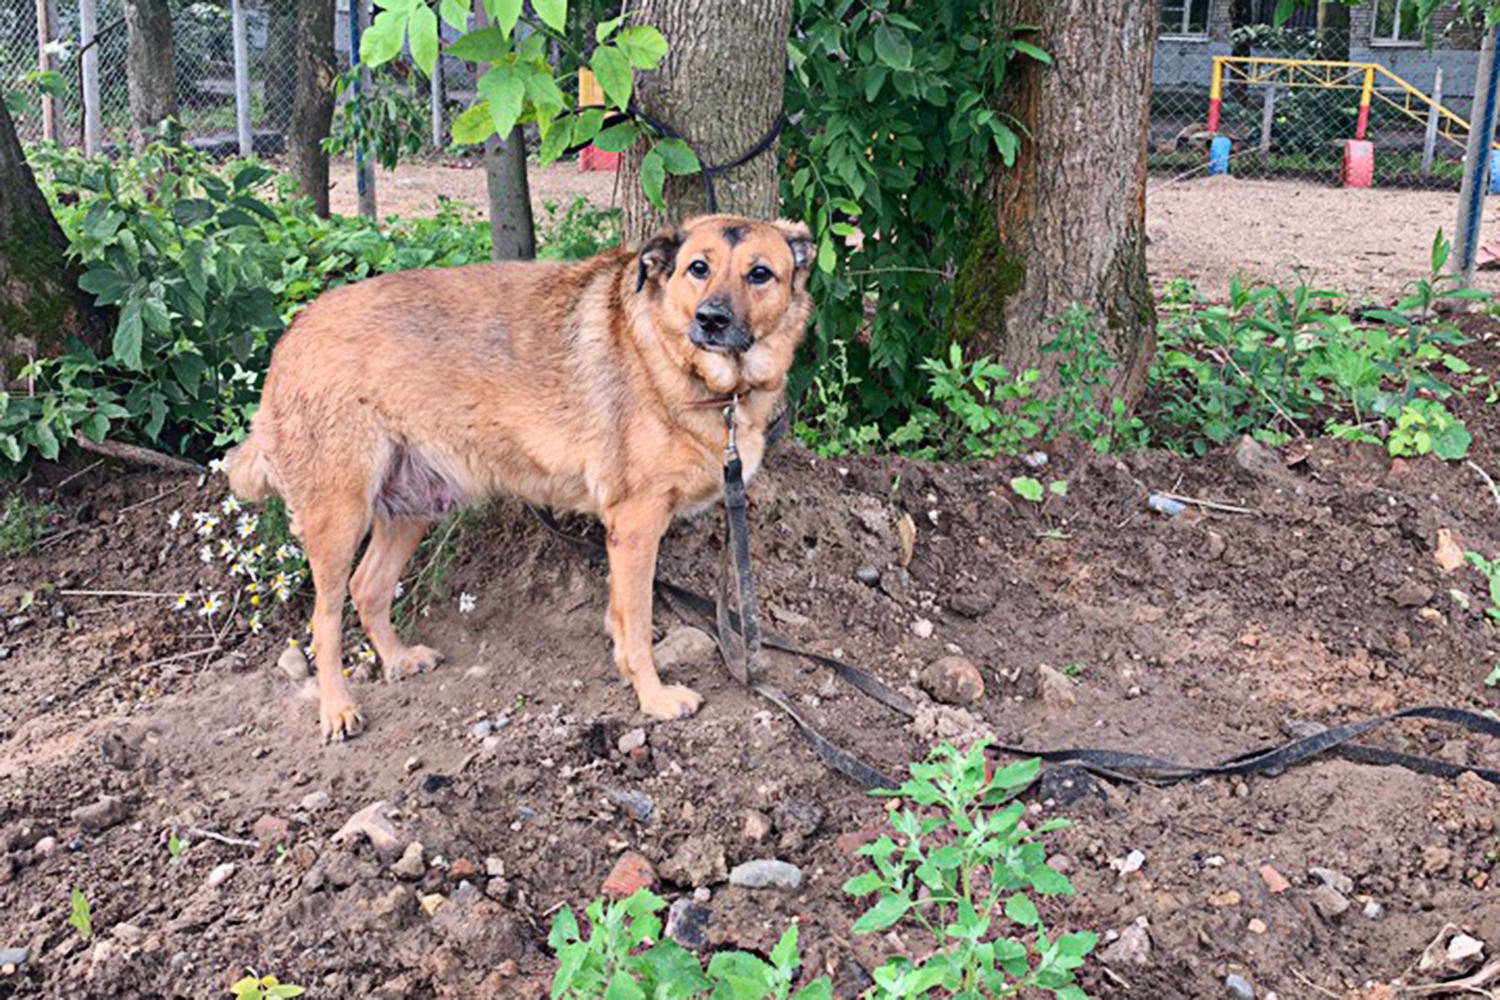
672,702
411,661
341,721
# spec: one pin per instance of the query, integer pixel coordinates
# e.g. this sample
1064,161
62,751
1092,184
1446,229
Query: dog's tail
251,474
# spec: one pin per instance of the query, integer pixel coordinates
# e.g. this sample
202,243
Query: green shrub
22,524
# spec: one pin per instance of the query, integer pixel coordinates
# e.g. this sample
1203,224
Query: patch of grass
22,524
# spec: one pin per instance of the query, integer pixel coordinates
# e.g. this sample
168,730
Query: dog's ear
799,238
658,258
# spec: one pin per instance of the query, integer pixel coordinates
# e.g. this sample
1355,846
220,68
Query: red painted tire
594,158
1359,164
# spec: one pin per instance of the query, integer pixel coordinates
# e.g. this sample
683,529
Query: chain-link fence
1289,98
203,75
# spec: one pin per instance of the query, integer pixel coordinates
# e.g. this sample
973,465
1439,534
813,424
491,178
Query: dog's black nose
713,317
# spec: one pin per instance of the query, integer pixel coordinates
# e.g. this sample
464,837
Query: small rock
1373,910
1034,460
481,729
1329,902
1257,926
508,968
630,874
127,934
413,863
44,847
293,663
953,680
687,924
1239,987
1343,883
271,829
316,801
1436,858
101,815
633,740
431,903
1411,594
766,874
1229,897
684,644
1215,545
1259,461
1276,882
1449,554
14,956
1132,948
922,628
757,826
796,821
373,822
702,894
697,861
868,575
494,868
434,783
1055,688
638,804
970,605
1464,954
463,868
220,874
1132,862
412,764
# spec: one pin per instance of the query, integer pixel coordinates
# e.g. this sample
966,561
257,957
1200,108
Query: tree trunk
1067,223
279,67
40,302
720,87
512,229
149,58
313,116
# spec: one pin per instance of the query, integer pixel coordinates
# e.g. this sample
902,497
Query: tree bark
313,116
40,302
149,62
720,87
512,228
280,63
1067,222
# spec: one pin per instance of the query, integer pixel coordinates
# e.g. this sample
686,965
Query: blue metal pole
354,63
1477,161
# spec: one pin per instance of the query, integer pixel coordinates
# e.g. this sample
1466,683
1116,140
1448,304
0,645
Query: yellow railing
1372,79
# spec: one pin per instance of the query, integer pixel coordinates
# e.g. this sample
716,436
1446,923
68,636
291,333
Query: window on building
1396,22
1184,18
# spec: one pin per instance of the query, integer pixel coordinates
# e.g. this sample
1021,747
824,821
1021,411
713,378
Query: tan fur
564,384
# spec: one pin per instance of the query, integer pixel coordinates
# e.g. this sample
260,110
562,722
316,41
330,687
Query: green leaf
1050,883
9,447
643,45
892,47
455,14
819,989
505,92
482,45
653,177
1026,48
607,28
79,917
107,285
423,34
385,37
678,157
1022,910
48,448
1452,442
882,915
554,141
586,125
473,126
505,14
618,138
1027,488
612,69
622,986
863,885
784,955
129,333
554,14
249,175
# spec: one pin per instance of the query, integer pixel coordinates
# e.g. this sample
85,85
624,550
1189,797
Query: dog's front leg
635,528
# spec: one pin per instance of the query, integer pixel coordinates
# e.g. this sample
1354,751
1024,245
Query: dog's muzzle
716,329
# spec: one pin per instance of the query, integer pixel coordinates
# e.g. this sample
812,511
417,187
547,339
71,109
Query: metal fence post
1267,117
437,102
241,77
93,118
1429,141
1477,159
50,129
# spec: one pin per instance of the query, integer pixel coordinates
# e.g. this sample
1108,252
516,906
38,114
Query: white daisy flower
206,554
230,506
182,601
400,588
174,519
211,605
255,624
218,465
466,603
246,525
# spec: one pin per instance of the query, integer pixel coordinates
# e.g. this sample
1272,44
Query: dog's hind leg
635,529
392,542
332,529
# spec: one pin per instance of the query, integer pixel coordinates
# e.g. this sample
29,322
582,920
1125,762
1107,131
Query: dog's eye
760,274
698,269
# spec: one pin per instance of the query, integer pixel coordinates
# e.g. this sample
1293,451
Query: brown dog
596,387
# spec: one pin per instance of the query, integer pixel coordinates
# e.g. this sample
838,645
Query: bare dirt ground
1369,244
1196,636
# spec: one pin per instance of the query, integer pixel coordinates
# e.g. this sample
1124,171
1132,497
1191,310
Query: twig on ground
112,593
1211,504
180,656
1471,984
50,539
138,455
1494,490
221,838
83,471
151,500
1326,992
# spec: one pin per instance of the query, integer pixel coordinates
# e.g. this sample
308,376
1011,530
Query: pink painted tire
1359,164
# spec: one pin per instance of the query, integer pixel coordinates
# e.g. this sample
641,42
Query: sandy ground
1368,243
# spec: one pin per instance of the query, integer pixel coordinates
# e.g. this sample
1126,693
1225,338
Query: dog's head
728,296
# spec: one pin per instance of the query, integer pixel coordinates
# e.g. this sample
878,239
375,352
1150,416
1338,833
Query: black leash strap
1336,739
741,646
